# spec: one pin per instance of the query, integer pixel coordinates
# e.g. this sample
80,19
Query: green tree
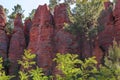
31,14
84,21
112,60
29,68
85,15
6,11
17,9
53,3
10,22
75,69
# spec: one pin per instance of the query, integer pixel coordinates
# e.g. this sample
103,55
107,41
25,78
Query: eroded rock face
41,38
47,39
3,36
61,16
98,53
27,27
65,42
17,45
116,14
106,37
112,26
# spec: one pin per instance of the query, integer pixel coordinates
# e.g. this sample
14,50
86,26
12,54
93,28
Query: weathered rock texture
47,39
17,45
3,36
106,37
27,27
111,23
61,16
65,42
41,38
98,53
116,14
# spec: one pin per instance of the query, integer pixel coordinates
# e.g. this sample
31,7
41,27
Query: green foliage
23,75
37,74
31,15
70,66
27,60
9,27
26,64
3,76
66,63
85,15
27,70
112,60
16,9
6,11
75,69
105,73
10,22
53,3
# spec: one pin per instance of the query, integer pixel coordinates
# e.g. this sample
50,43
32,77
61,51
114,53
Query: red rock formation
65,42
27,27
116,14
105,38
3,36
112,26
61,16
98,53
17,45
41,38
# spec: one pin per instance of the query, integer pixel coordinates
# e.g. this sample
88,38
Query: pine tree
10,22
53,3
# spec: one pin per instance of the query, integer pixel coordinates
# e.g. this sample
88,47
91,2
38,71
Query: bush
112,60
70,66
75,69
27,70
3,76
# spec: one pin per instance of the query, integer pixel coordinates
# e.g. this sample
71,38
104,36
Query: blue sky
27,5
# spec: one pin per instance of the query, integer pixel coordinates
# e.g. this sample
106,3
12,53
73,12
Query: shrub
70,66
28,71
3,76
112,60
74,68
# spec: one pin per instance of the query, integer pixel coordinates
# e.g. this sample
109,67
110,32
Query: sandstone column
3,36
17,45
41,38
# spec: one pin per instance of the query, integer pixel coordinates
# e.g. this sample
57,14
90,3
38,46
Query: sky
27,5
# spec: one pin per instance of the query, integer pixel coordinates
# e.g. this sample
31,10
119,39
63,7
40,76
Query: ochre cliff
45,36
17,45
107,35
64,41
3,35
27,27
41,38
